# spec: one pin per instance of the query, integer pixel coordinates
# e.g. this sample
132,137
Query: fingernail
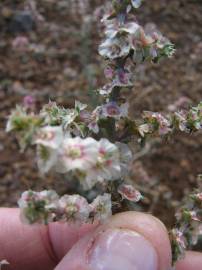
118,249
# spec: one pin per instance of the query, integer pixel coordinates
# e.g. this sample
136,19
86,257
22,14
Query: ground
62,64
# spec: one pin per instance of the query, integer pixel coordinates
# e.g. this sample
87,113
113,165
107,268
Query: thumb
130,241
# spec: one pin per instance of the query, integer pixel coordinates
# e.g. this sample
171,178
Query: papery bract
102,207
74,208
107,166
77,153
112,109
126,157
129,192
51,137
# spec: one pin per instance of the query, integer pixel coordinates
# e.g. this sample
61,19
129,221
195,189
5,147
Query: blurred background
48,49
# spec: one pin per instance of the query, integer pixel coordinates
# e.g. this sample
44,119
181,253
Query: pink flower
124,77
109,73
29,101
129,192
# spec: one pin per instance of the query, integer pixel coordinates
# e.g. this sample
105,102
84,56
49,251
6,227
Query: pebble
22,21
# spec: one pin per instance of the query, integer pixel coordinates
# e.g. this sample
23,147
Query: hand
129,241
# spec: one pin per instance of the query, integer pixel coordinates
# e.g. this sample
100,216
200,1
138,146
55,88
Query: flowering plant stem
92,147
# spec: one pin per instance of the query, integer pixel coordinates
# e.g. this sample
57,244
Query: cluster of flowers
157,124
188,226
46,206
81,122
92,161
127,44
78,121
191,120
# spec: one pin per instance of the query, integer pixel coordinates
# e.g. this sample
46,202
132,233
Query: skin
58,246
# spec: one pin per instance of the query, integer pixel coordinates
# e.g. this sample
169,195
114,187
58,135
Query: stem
115,94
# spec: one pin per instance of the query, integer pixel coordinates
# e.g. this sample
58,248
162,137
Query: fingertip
192,261
24,246
127,240
151,228
63,236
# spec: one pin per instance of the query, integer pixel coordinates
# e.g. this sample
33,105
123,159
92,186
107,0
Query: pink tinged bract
74,208
129,192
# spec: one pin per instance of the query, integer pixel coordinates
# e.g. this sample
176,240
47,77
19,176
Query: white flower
106,89
113,28
130,28
107,165
50,137
74,208
114,47
102,207
77,153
